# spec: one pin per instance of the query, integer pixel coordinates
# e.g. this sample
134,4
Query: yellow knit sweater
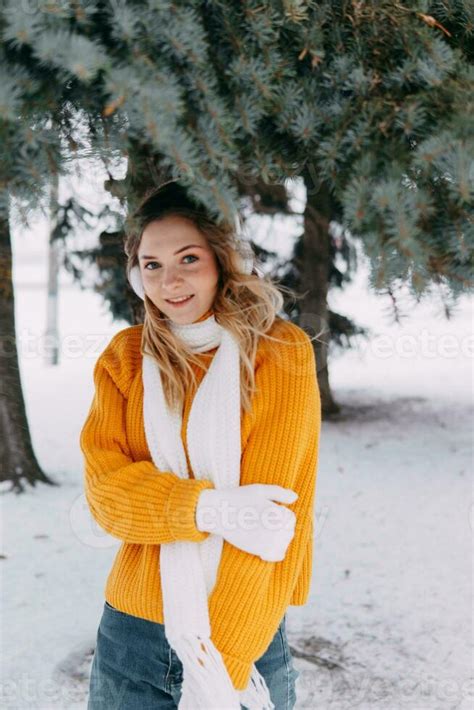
144,507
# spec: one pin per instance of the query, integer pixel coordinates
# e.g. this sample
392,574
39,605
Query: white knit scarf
189,569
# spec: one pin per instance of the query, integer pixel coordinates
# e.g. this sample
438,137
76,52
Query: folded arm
131,500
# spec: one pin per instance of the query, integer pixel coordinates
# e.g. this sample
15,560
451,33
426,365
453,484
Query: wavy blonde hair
247,305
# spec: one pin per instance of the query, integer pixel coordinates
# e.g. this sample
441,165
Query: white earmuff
246,257
135,280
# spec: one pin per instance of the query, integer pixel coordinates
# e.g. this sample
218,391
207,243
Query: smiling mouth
184,299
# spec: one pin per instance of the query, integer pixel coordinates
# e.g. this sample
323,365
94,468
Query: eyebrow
176,252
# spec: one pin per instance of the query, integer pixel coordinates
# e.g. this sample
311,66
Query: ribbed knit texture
143,507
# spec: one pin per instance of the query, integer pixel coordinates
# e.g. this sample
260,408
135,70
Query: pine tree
367,102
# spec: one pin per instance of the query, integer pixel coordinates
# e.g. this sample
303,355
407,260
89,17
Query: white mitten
248,518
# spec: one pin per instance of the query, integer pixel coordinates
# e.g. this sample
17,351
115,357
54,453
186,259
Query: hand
247,517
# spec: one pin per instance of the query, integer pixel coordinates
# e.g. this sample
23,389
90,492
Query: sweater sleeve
282,449
131,500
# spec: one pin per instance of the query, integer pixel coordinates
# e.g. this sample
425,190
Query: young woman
201,449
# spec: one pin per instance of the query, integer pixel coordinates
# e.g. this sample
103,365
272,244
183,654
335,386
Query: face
176,260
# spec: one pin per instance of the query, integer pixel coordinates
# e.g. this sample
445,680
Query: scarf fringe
208,685
256,695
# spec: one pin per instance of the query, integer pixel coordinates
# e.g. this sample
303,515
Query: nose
169,277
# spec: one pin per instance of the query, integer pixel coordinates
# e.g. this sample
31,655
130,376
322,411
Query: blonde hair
247,305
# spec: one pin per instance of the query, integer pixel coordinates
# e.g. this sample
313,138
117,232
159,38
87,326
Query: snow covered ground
389,622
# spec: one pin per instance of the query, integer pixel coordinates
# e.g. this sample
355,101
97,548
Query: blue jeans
135,668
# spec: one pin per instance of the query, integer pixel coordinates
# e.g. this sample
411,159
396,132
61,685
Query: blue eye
188,256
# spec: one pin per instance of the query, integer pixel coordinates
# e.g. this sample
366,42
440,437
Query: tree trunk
315,280
18,462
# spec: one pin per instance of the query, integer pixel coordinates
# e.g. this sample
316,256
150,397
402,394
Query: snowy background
389,621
